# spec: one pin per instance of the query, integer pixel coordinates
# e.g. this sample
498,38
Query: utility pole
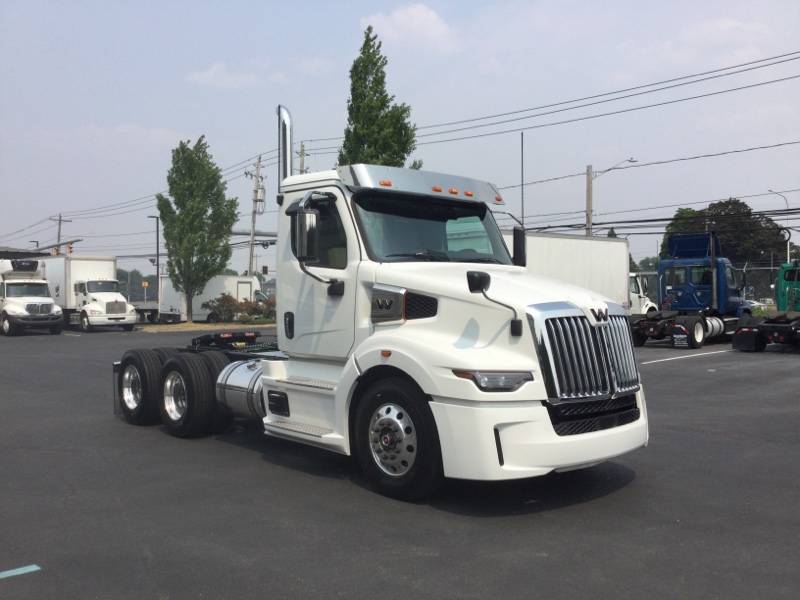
522,175
158,254
302,154
258,208
589,180
60,219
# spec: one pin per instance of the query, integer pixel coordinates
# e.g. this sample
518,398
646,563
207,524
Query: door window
332,238
792,275
700,275
675,276
633,284
730,275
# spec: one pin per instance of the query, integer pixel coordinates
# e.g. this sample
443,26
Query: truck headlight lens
496,381
15,310
95,313
131,308
56,309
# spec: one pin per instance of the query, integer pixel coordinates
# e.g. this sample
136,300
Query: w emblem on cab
600,314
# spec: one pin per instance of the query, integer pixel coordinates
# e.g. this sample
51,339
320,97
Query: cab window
700,275
675,276
730,275
791,275
332,238
633,285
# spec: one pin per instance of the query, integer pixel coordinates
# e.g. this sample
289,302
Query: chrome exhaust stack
284,144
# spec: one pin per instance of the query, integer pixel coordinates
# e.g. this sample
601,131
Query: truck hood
23,300
511,285
103,297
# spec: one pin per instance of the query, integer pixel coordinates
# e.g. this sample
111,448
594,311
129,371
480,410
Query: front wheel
86,327
7,327
639,338
396,442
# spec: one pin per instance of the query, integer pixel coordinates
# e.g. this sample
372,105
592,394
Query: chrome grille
39,309
591,362
115,308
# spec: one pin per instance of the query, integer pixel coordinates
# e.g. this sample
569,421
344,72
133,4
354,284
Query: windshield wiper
483,259
433,255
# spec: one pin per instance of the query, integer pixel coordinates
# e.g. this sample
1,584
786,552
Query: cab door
317,309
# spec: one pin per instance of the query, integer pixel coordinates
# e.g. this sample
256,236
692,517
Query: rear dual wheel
139,386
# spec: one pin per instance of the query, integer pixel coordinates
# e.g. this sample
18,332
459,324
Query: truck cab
98,302
637,289
787,287
25,300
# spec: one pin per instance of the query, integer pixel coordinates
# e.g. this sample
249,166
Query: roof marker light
386,353
453,190
436,188
498,199
385,183
468,194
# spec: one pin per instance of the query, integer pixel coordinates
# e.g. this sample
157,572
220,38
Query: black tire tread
216,361
149,366
200,390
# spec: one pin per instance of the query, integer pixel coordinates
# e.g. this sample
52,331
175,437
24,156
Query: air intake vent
419,306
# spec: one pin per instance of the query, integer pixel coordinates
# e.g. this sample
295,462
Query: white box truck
399,344
87,290
25,301
172,303
599,264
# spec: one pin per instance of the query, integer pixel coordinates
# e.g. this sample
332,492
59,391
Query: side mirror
478,281
307,235
519,258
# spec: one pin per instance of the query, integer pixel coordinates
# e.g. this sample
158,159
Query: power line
610,113
596,102
656,162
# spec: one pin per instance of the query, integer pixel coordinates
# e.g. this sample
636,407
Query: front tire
8,328
187,403
86,327
396,441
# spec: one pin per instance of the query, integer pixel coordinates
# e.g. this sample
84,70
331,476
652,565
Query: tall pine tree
378,130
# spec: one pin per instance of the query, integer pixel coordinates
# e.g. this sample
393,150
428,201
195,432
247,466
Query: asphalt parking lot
107,510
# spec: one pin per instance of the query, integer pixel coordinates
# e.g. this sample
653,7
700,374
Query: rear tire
164,354
215,362
696,334
396,441
187,403
639,339
139,386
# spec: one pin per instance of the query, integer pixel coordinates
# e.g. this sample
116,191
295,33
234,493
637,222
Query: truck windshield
102,286
413,228
18,290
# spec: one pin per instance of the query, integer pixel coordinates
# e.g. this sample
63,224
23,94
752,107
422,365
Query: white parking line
650,362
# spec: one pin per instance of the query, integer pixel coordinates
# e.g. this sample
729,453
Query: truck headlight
131,308
496,381
15,310
56,309
95,313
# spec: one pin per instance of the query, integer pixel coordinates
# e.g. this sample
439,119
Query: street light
158,253
590,177
788,231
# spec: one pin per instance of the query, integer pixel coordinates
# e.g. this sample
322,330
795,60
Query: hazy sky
93,96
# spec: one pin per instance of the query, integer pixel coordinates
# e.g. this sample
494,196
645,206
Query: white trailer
172,303
418,353
87,290
599,264
25,300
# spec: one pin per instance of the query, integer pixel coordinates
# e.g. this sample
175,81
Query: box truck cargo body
87,290
599,264
172,303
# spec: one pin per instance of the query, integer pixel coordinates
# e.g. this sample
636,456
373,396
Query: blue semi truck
700,295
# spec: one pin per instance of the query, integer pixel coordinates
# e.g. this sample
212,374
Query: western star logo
600,314
383,303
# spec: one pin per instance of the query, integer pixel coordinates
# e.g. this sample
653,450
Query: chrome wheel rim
175,395
392,439
6,325
699,330
131,387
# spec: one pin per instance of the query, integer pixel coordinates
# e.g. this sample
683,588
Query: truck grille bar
39,309
590,362
115,308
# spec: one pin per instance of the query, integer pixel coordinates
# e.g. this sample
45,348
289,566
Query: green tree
197,219
378,130
648,263
743,236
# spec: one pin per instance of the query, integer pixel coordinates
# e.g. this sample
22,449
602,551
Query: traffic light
69,248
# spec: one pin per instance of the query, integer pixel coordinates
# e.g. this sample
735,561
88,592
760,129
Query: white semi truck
419,355
640,302
87,290
25,301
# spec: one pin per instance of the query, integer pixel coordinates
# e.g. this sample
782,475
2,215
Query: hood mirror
478,281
